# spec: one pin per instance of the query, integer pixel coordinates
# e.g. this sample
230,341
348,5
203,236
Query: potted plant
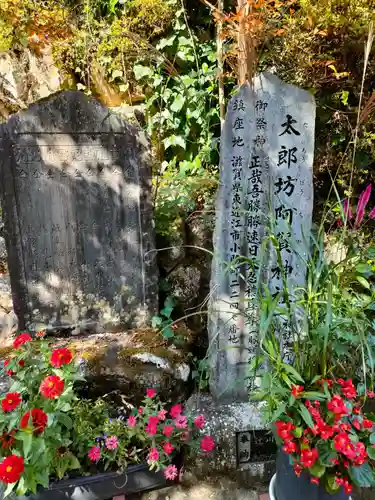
54,445
317,388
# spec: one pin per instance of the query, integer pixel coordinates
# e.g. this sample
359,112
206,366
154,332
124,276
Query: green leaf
117,73
312,395
293,372
280,411
9,489
156,321
166,42
174,140
303,411
371,452
65,407
317,470
74,462
65,420
326,454
331,484
372,438
363,268
141,71
178,103
362,476
364,282
27,443
168,333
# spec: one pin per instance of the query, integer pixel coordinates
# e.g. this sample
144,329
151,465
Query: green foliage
164,321
183,120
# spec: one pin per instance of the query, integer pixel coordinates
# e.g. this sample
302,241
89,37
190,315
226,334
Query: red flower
297,390
349,452
21,339
11,469
314,480
341,441
37,418
151,429
290,447
345,427
7,440
52,387
207,444
297,469
325,431
371,394
337,406
314,412
356,424
175,411
94,454
40,334
167,431
168,448
61,357
199,422
140,410
11,401
367,424
348,389
284,430
309,457
357,411
150,393
348,488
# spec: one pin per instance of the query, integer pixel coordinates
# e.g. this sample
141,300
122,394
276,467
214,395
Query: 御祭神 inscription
266,180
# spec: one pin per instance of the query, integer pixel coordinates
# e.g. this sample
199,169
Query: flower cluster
166,433
334,438
24,411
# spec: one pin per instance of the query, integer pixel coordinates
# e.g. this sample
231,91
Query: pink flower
167,431
162,415
94,454
140,410
111,443
150,393
199,422
168,448
362,203
171,472
181,422
132,421
371,215
207,444
153,456
151,429
176,411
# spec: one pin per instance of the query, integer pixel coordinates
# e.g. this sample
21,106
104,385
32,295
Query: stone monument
267,148
76,197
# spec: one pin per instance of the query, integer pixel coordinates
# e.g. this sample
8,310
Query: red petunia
51,387
309,457
61,357
11,469
150,393
175,411
11,401
37,418
207,444
297,390
21,339
168,448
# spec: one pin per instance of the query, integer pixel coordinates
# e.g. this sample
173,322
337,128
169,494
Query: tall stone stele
266,162
76,197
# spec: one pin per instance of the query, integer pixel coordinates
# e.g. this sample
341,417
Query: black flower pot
137,478
288,486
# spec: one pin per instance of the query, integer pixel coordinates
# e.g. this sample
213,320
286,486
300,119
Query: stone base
244,448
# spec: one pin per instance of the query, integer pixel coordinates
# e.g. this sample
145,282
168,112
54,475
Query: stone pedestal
252,461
